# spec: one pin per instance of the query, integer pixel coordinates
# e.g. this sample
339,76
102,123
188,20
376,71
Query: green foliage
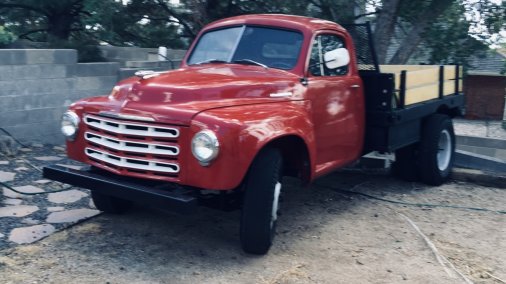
449,41
6,36
150,23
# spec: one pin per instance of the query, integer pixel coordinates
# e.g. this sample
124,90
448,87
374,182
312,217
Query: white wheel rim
444,150
275,203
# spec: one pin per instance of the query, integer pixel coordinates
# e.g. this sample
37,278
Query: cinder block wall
37,86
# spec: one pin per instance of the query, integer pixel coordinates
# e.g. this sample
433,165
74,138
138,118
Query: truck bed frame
399,97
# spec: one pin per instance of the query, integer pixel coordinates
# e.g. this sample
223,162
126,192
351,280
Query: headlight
70,125
205,146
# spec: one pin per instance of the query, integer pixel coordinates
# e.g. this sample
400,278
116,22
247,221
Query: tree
440,25
56,19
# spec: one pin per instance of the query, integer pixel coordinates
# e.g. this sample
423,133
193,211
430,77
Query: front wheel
261,202
437,149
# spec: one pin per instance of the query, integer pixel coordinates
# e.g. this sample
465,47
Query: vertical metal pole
402,90
441,81
372,47
457,78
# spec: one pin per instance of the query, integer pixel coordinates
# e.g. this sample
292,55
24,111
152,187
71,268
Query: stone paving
25,219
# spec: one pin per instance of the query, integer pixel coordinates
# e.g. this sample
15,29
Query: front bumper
158,194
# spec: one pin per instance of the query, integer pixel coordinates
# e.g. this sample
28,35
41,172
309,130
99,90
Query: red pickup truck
258,97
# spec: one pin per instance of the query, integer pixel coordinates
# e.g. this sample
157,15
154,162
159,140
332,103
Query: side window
321,44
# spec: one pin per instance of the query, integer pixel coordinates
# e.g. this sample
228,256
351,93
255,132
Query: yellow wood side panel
422,77
428,92
421,94
449,72
399,68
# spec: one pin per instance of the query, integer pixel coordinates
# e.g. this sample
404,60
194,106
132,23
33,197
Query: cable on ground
350,192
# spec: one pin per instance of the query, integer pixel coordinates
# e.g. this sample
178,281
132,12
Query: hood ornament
146,74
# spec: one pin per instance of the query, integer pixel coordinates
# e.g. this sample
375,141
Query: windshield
269,47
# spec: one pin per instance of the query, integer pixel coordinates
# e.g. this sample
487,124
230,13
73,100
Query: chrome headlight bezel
70,125
212,145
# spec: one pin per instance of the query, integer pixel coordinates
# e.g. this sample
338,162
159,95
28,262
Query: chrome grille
134,148
139,164
131,146
130,128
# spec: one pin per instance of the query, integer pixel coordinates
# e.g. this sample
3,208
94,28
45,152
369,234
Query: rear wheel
437,149
261,202
110,204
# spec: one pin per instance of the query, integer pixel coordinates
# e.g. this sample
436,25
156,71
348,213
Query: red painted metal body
235,102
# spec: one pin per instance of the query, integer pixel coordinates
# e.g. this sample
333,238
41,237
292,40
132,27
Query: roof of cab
301,23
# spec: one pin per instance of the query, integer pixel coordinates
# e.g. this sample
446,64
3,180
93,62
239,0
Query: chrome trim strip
139,164
126,116
123,145
128,128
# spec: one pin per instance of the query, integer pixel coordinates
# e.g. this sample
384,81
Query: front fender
242,132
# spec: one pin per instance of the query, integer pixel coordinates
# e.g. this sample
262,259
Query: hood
177,96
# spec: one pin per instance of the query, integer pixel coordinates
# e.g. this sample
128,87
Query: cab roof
304,24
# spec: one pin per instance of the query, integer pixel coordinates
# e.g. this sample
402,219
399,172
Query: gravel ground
324,236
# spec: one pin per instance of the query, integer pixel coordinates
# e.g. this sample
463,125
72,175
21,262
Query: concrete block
94,83
148,64
121,54
37,86
7,88
37,71
481,142
41,132
11,118
176,64
51,56
94,69
481,162
81,94
12,57
28,102
6,72
176,54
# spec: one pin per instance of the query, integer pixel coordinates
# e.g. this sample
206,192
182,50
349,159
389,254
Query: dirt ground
324,236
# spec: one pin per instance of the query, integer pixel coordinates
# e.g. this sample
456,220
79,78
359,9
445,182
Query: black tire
110,204
405,166
258,222
437,149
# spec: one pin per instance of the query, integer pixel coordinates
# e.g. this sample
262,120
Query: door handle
355,86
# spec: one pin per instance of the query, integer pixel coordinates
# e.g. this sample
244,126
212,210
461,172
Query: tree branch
22,6
366,14
410,43
164,6
25,35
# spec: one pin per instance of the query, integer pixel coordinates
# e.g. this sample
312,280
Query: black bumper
161,195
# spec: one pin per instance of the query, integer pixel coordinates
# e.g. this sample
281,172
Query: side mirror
336,58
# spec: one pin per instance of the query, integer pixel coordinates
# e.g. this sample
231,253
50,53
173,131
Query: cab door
337,104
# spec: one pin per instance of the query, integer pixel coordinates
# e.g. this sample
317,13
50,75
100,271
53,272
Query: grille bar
131,146
139,164
130,128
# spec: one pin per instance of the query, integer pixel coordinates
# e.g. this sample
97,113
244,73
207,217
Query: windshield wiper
212,60
251,62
